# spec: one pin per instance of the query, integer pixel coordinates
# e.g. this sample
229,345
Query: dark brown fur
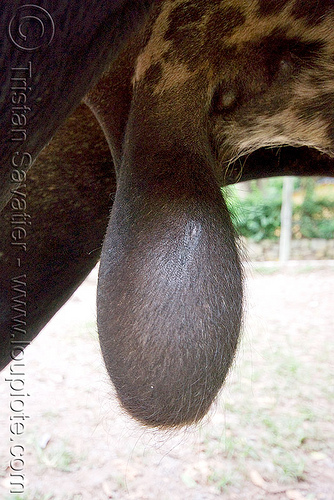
206,94
79,39
63,209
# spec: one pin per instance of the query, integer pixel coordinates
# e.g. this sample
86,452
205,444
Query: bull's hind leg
53,228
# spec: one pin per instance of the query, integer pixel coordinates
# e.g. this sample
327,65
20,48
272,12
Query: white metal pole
286,220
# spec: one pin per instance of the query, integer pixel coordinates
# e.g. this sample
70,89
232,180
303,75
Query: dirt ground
269,436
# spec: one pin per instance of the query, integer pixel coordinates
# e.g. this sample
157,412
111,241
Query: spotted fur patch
266,67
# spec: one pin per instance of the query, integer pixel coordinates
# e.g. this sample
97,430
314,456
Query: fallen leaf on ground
257,479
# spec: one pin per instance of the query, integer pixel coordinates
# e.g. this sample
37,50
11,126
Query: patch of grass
221,479
239,447
290,365
290,467
271,424
228,445
306,269
307,414
270,421
16,497
265,270
56,455
287,433
288,369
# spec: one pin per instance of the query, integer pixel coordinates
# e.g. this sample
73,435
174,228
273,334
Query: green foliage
314,218
257,215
